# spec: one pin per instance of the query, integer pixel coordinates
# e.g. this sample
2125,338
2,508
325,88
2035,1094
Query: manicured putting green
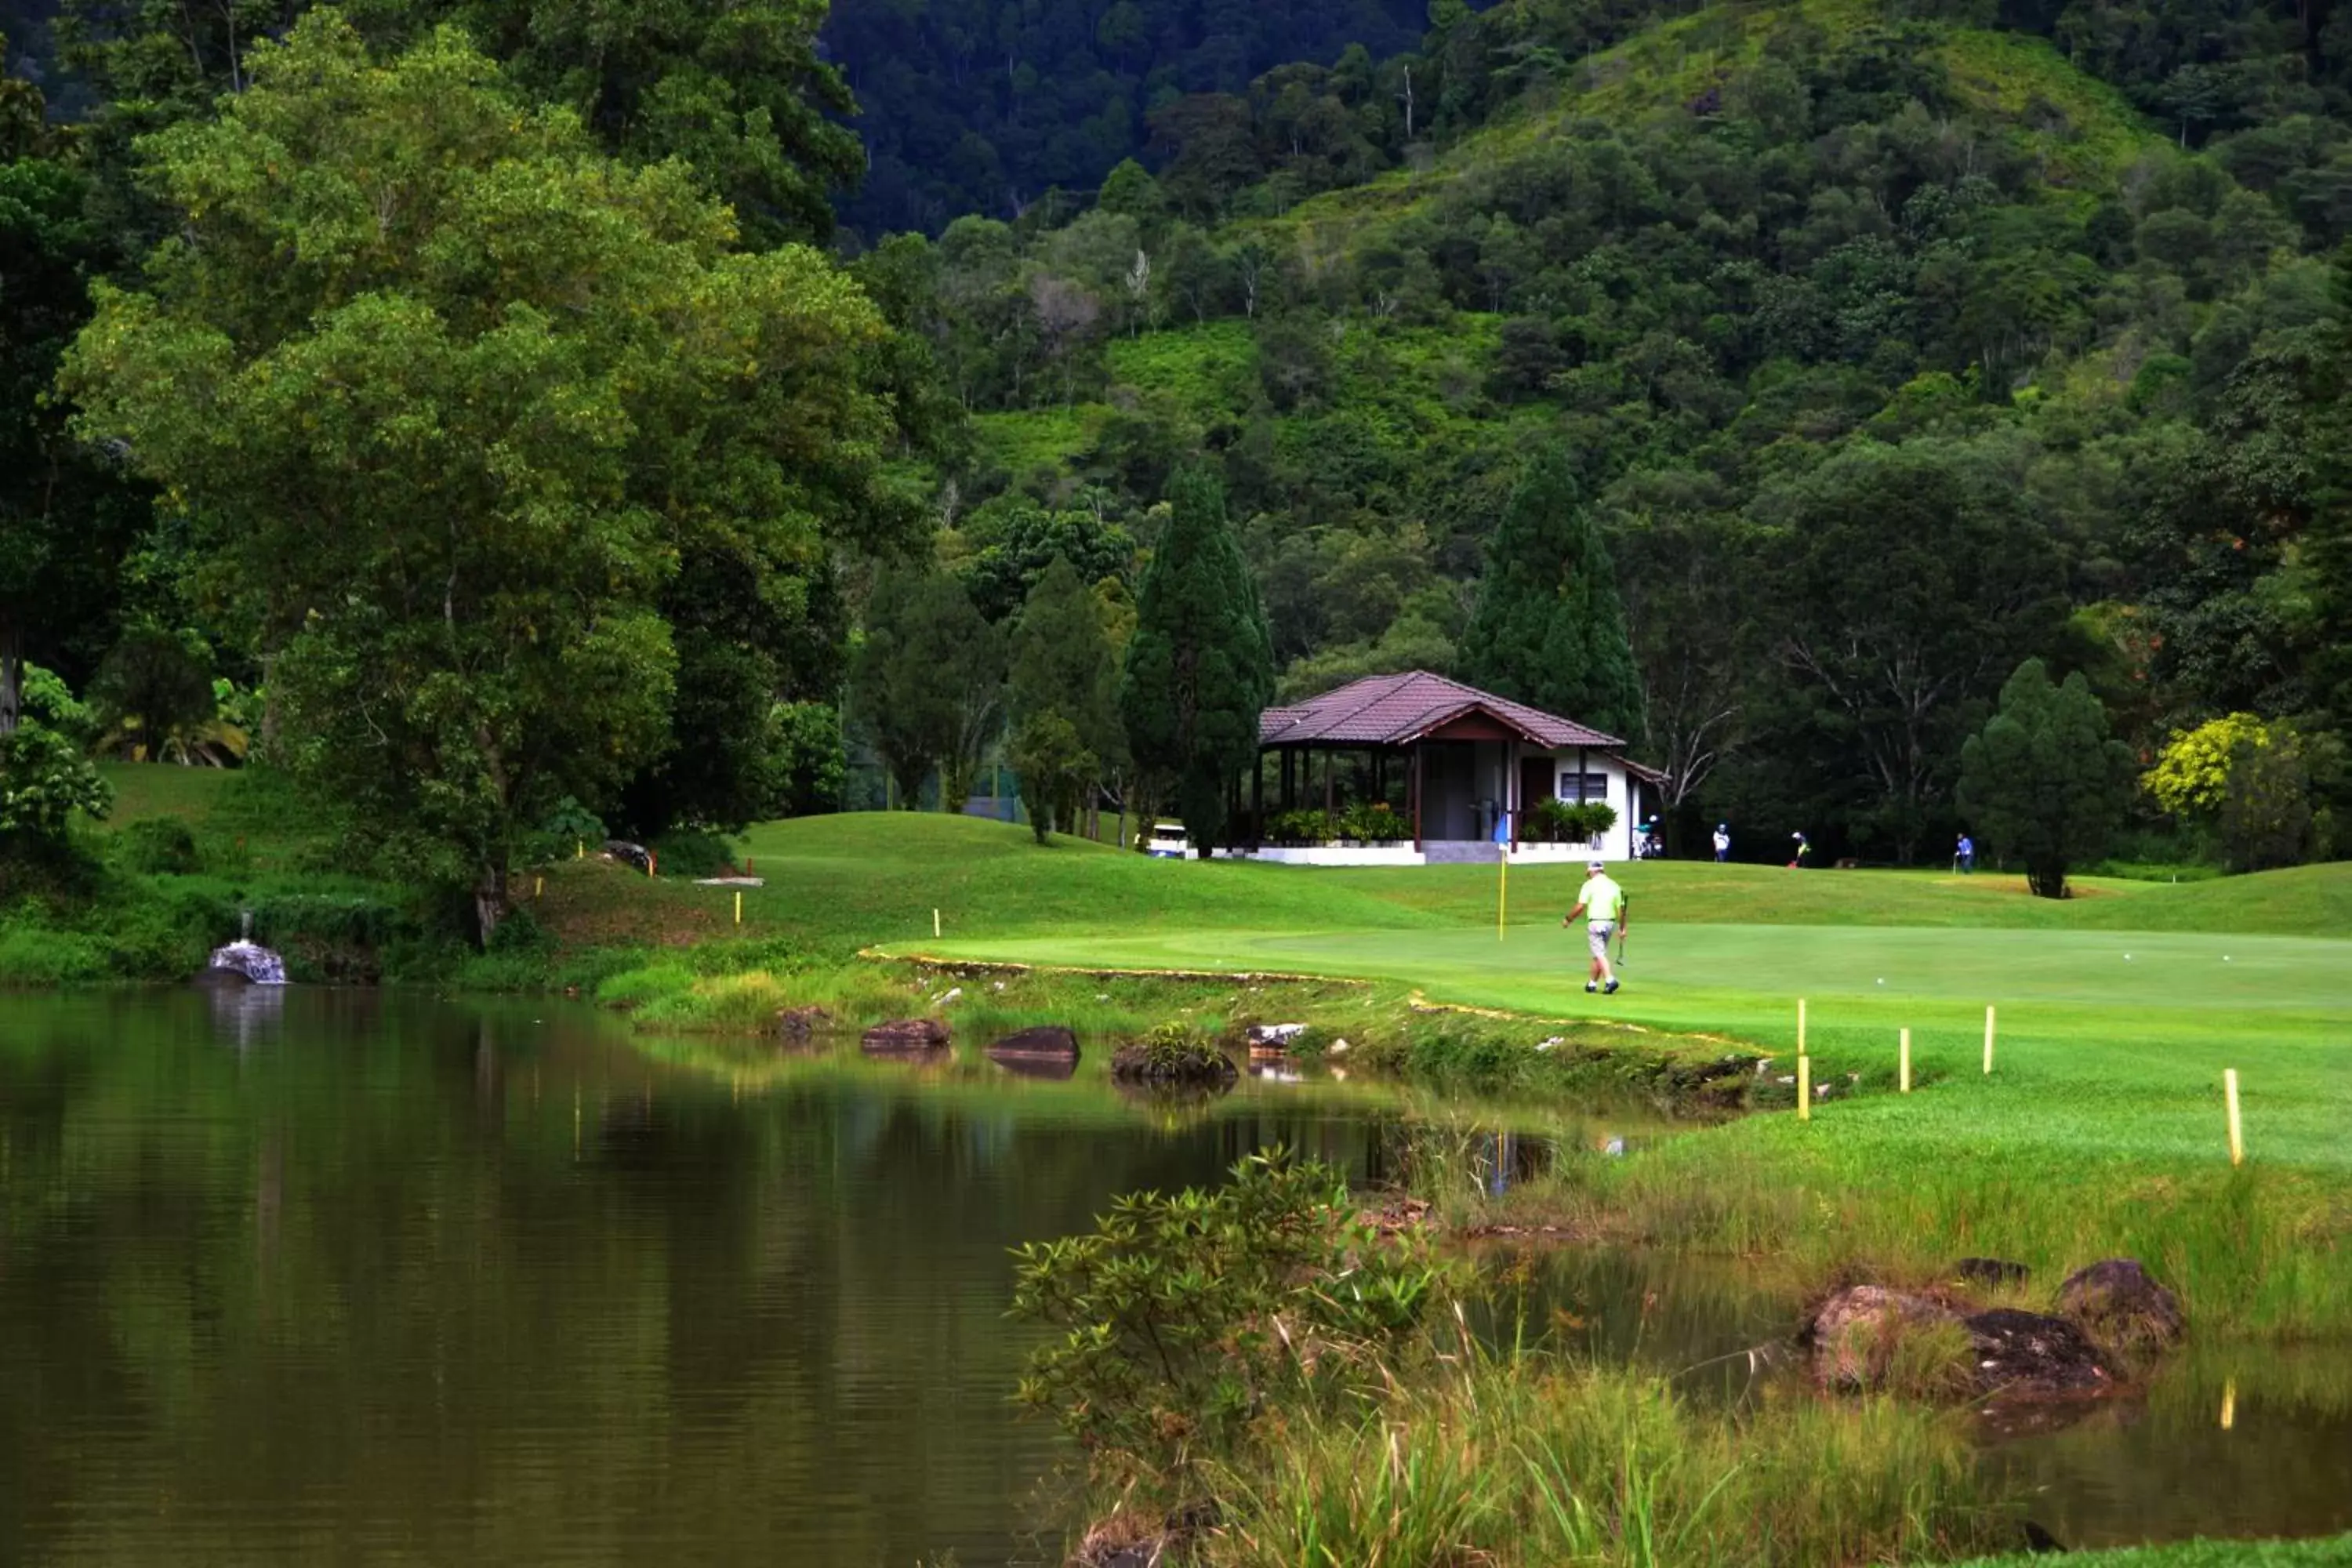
2106,1041
1670,968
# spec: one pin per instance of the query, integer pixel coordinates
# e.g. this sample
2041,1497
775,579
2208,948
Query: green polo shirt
1603,898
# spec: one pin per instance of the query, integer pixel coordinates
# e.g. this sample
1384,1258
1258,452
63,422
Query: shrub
1301,827
1374,822
1568,821
1188,1319
693,852
43,782
158,846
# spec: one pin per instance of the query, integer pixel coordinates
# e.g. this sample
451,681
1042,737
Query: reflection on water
2231,1440
358,1277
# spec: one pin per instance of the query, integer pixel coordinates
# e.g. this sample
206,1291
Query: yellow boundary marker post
1906,1061
1801,1029
739,905
935,923
538,887
1987,1039
1804,1089
2236,1132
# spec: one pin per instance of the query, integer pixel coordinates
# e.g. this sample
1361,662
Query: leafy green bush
1301,827
44,780
692,852
568,828
1188,1319
1568,821
1371,821
158,846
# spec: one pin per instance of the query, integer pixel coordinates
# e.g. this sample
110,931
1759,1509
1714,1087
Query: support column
1257,804
1511,787
1413,789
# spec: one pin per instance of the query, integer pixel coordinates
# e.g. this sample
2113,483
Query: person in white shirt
1602,903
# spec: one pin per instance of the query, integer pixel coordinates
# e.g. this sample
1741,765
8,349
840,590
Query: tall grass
1511,1458
2249,1251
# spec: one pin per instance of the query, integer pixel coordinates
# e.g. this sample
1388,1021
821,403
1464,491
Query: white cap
1596,865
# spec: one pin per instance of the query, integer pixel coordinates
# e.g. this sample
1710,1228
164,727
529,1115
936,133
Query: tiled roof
1393,709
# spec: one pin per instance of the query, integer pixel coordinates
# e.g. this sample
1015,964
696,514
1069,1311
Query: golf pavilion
1449,761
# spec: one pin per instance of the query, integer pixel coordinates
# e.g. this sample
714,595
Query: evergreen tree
1065,678
2045,781
1199,669
928,683
1549,629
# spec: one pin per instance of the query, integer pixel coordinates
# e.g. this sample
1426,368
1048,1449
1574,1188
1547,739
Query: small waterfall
247,957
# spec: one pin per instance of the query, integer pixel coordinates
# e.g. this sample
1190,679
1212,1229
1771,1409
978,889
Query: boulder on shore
1048,1040
906,1036
1853,1333
2033,1353
800,1022
2123,1306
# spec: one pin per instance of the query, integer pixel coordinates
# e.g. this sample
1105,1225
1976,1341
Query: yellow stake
1804,1089
935,923
580,849
739,905
1801,1029
1906,1061
2229,1404
2237,1133
538,887
1987,1039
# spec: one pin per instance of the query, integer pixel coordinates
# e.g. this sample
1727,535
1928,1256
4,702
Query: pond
366,1277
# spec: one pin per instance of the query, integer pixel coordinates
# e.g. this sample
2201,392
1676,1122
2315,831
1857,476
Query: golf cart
1168,841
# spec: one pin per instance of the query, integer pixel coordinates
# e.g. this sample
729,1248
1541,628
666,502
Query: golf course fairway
2106,1041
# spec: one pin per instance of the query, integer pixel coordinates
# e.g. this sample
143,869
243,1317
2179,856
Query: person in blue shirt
1963,855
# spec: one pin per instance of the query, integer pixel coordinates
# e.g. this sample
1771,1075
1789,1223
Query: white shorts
1596,936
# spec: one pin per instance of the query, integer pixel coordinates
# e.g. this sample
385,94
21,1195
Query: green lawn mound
2333,1552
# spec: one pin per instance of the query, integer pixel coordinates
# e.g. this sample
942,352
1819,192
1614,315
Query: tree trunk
2046,877
12,673
490,900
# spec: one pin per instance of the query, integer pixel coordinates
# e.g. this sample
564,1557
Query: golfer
1722,841
1602,902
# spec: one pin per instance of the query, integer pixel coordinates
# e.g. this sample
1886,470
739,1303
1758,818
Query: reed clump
1522,1457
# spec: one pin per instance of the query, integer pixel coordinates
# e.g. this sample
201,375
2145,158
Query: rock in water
2030,1353
800,1022
906,1036
2122,1305
255,962
1051,1040
1049,1052
1853,1332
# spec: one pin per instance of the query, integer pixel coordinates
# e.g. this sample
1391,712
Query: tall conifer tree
1549,629
1200,670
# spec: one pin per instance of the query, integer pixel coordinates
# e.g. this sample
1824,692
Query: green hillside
1829,308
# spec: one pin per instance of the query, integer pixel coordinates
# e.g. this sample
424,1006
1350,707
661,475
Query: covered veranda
1447,759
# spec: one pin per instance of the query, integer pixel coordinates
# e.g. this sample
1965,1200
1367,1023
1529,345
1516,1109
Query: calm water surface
350,1276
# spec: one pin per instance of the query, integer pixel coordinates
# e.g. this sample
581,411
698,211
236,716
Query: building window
1583,786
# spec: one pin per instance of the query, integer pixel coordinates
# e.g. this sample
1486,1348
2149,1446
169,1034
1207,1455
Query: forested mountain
979,106
1888,350
1871,351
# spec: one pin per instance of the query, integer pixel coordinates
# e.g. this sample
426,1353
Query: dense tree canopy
2045,783
1199,669
1549,629
446,395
